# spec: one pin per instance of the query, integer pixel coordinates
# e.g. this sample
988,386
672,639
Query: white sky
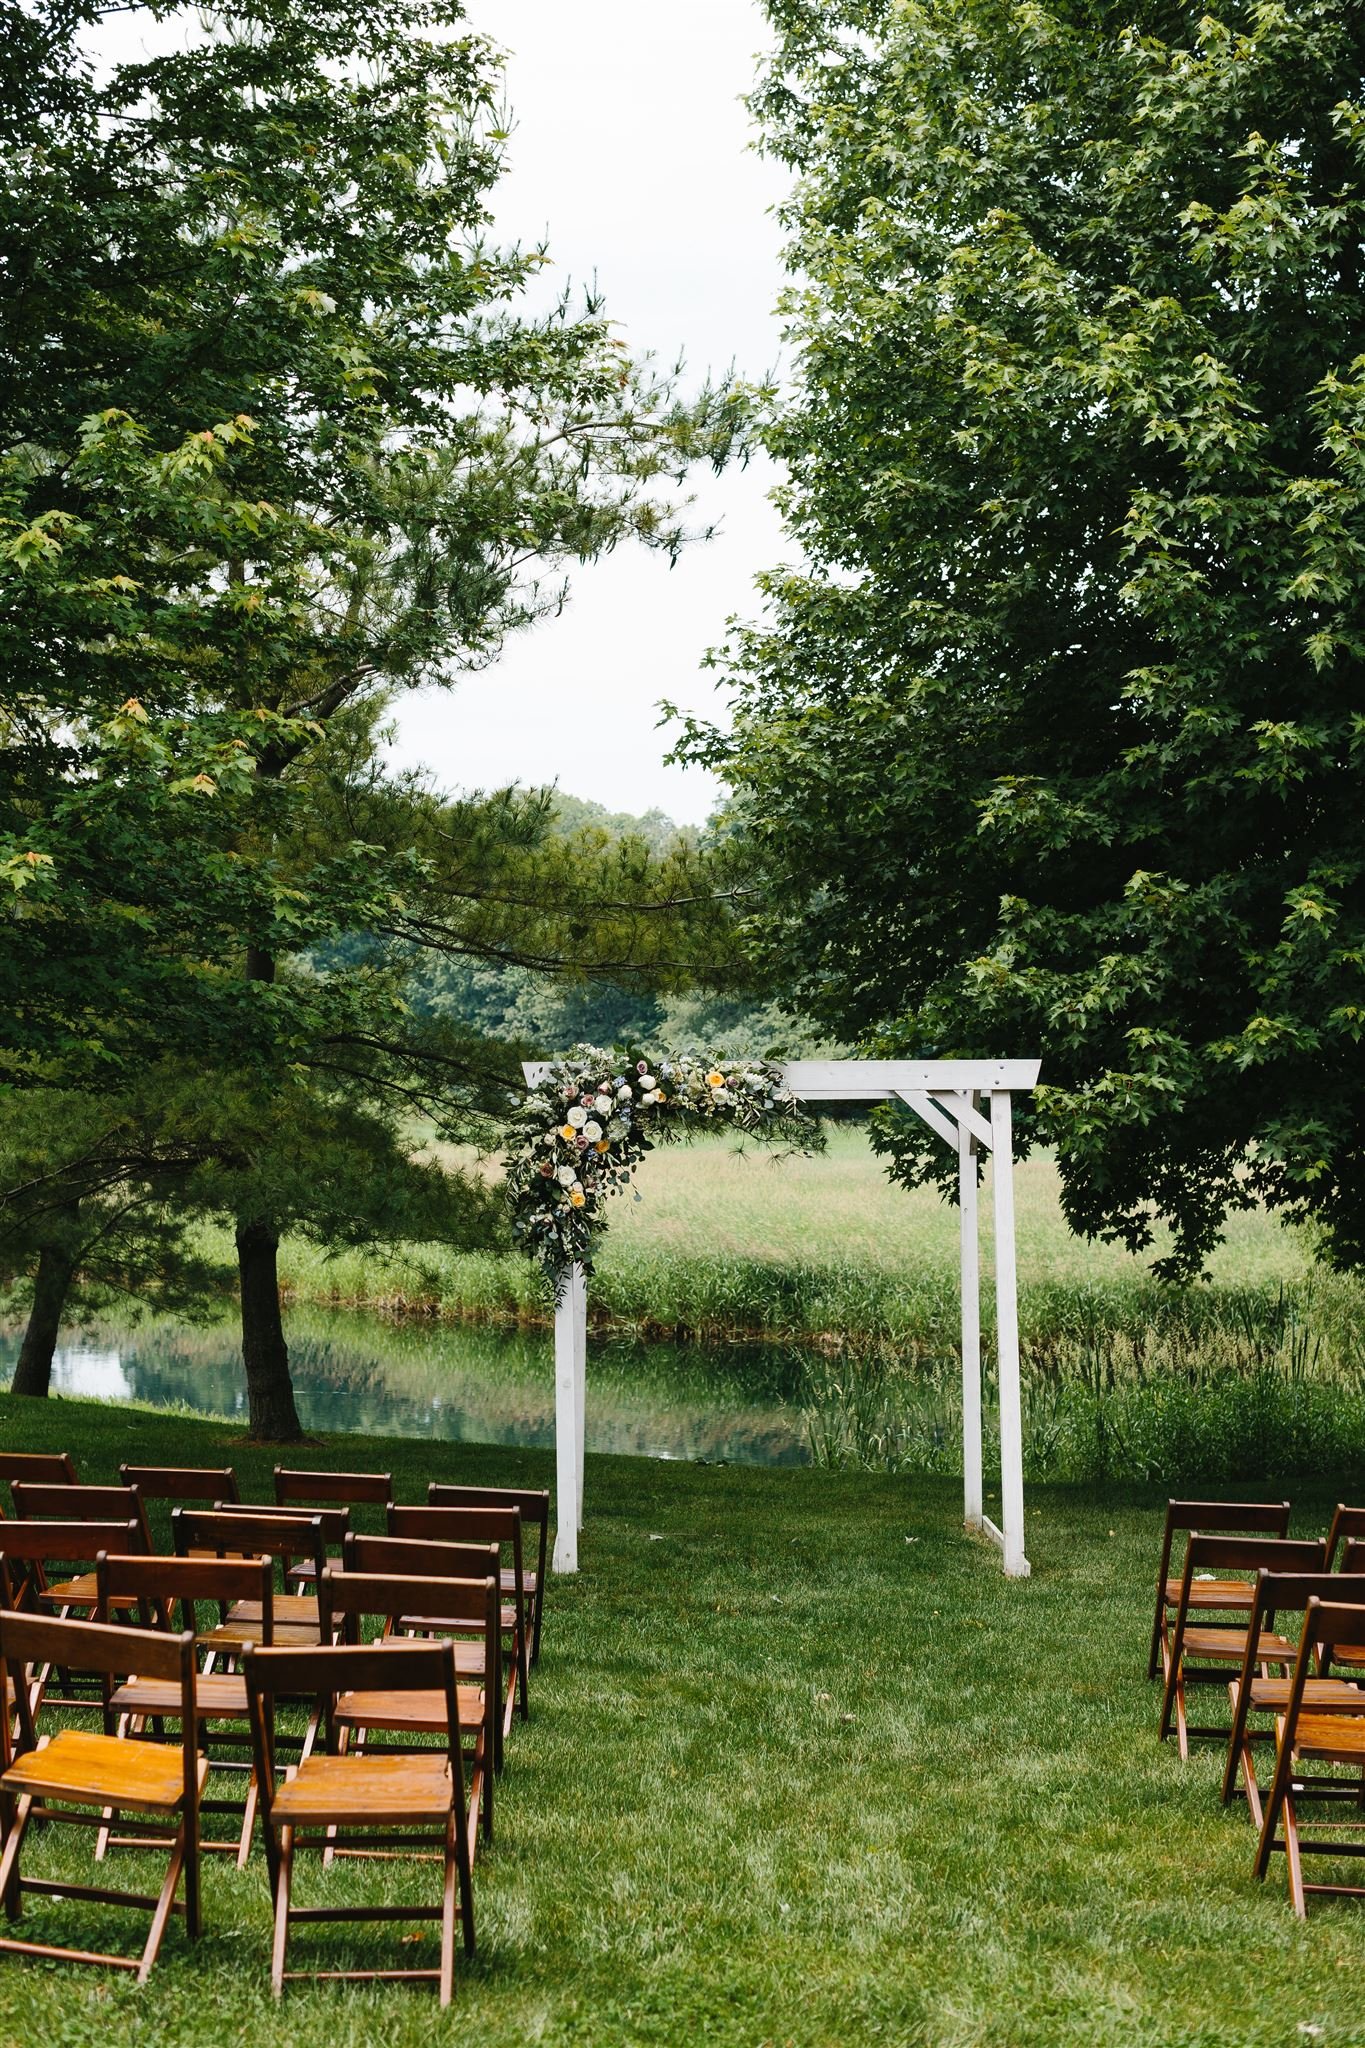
630,152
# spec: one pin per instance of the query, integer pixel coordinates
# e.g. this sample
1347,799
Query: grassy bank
803,1769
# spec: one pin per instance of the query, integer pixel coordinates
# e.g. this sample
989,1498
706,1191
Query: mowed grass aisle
804,1769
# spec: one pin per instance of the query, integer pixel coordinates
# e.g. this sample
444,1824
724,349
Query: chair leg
1293,1859
1279,1789
281,1941
16,1822
248,1822
447,1981
165,1901
523,1676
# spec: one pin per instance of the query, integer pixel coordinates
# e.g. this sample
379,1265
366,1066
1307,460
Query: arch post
571,1346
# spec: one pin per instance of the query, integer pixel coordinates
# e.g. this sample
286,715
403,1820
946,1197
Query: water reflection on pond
464,1384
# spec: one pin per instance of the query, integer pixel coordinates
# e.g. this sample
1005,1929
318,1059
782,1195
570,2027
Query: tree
92,1211
1053,737
276,439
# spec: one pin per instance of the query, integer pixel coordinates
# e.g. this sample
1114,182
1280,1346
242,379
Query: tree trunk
56,1269
273,1418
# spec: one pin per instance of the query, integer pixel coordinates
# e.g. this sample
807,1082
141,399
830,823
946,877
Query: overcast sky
630,152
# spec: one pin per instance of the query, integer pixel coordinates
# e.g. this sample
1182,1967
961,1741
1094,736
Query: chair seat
1212,1592
294,1608
1352,1655
327,1790
1271,1695
507,1580
413,1713
1228,1645
218,1695
234,1635
83,1591
431,1625
103,1770
1336,1738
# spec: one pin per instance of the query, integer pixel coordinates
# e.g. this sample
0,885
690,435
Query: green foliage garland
581,1132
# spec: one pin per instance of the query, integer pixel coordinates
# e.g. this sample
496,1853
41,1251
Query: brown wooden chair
295,1488
247,1533
1215,1518
334,1521
30,1554
35,1501
346,1801
534,1502
48,1468
76,1770
1306,1734
1200,1653
164,1587
1279,1595
1352,1560
502,1526
350,1599
418,1557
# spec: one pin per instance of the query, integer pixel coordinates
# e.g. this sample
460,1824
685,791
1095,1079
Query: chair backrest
534,1502
198,1485
1251,1554
161,1584
418,1557
35,1501
323,1672
316,1489
248,1533
500,1525
352,1597
1334,1625
38,1545
334,1522
92,1646
51,1468
1227,1517
1348,1525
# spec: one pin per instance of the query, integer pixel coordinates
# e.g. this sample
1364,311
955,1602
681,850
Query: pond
462,1383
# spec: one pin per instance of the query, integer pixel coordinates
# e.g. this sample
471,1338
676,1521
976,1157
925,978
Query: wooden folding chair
36,1501
47,1468
1280,1594
419,1558
248,1533
29,1552
1214,1518
534,1502
374,1802
296,1488
1307,1734
484,1525
1200,1654
57,1779
160,1586
351,1598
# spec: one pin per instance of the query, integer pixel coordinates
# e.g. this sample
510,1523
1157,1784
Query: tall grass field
1257,1369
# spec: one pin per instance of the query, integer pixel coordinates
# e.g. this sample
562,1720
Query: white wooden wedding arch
967,1104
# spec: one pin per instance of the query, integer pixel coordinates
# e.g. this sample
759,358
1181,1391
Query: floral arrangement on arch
583,1129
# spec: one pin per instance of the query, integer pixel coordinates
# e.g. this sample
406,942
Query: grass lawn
803,1768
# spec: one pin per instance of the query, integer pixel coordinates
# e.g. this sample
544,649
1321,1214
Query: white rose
720,1094
602,1104
648,1081
577,1116
624,1094
567,1176
592,1130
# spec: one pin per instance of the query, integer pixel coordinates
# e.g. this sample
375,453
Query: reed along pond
459,1382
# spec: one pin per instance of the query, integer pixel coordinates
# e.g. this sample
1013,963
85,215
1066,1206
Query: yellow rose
568,1131
659,1095
578,1198
715,1080
602,1145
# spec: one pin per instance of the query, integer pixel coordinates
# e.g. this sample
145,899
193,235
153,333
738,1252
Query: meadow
803,1770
